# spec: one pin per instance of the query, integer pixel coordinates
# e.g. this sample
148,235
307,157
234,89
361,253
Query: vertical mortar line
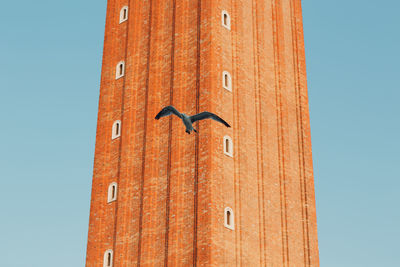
236,160
238,141
302,141
196,179
167,202
261,140
296,86
279,18
257,115
144,134
260,168
285,247
120,138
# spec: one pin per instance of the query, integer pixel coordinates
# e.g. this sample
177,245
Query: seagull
188,120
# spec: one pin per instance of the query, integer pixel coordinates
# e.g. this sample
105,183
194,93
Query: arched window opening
226,19
228,146
120,71
123,15
108,258
229,220
116,129
112,192
227,80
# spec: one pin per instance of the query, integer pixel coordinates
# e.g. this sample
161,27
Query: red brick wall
173,187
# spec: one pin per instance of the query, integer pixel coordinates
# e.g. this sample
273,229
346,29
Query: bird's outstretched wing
208,115
168,110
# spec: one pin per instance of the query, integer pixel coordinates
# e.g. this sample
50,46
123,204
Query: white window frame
229,85
230,147
232,218
121,14
228,20
110,197
105,261
114,129
117,70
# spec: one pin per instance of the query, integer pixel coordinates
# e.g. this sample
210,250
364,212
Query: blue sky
50,54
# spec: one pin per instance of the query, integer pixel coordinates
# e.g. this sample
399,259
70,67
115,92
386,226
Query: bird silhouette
189,120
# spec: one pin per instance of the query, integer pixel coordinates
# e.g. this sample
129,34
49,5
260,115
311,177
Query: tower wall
173,187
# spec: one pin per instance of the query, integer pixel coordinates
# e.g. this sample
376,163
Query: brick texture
173,187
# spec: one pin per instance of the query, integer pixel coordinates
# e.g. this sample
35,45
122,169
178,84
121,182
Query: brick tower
240,196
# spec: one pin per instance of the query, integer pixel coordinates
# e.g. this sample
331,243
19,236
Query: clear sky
50,60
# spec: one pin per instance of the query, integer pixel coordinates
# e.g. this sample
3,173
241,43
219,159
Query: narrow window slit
229,220
123,14
108,258
226,81
116,129
226,20
120,70
112,192
228,146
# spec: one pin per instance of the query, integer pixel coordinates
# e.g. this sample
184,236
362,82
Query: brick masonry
173,187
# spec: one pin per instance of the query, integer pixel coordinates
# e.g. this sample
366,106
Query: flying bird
189,120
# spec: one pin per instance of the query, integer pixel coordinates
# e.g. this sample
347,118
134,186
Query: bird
189,120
